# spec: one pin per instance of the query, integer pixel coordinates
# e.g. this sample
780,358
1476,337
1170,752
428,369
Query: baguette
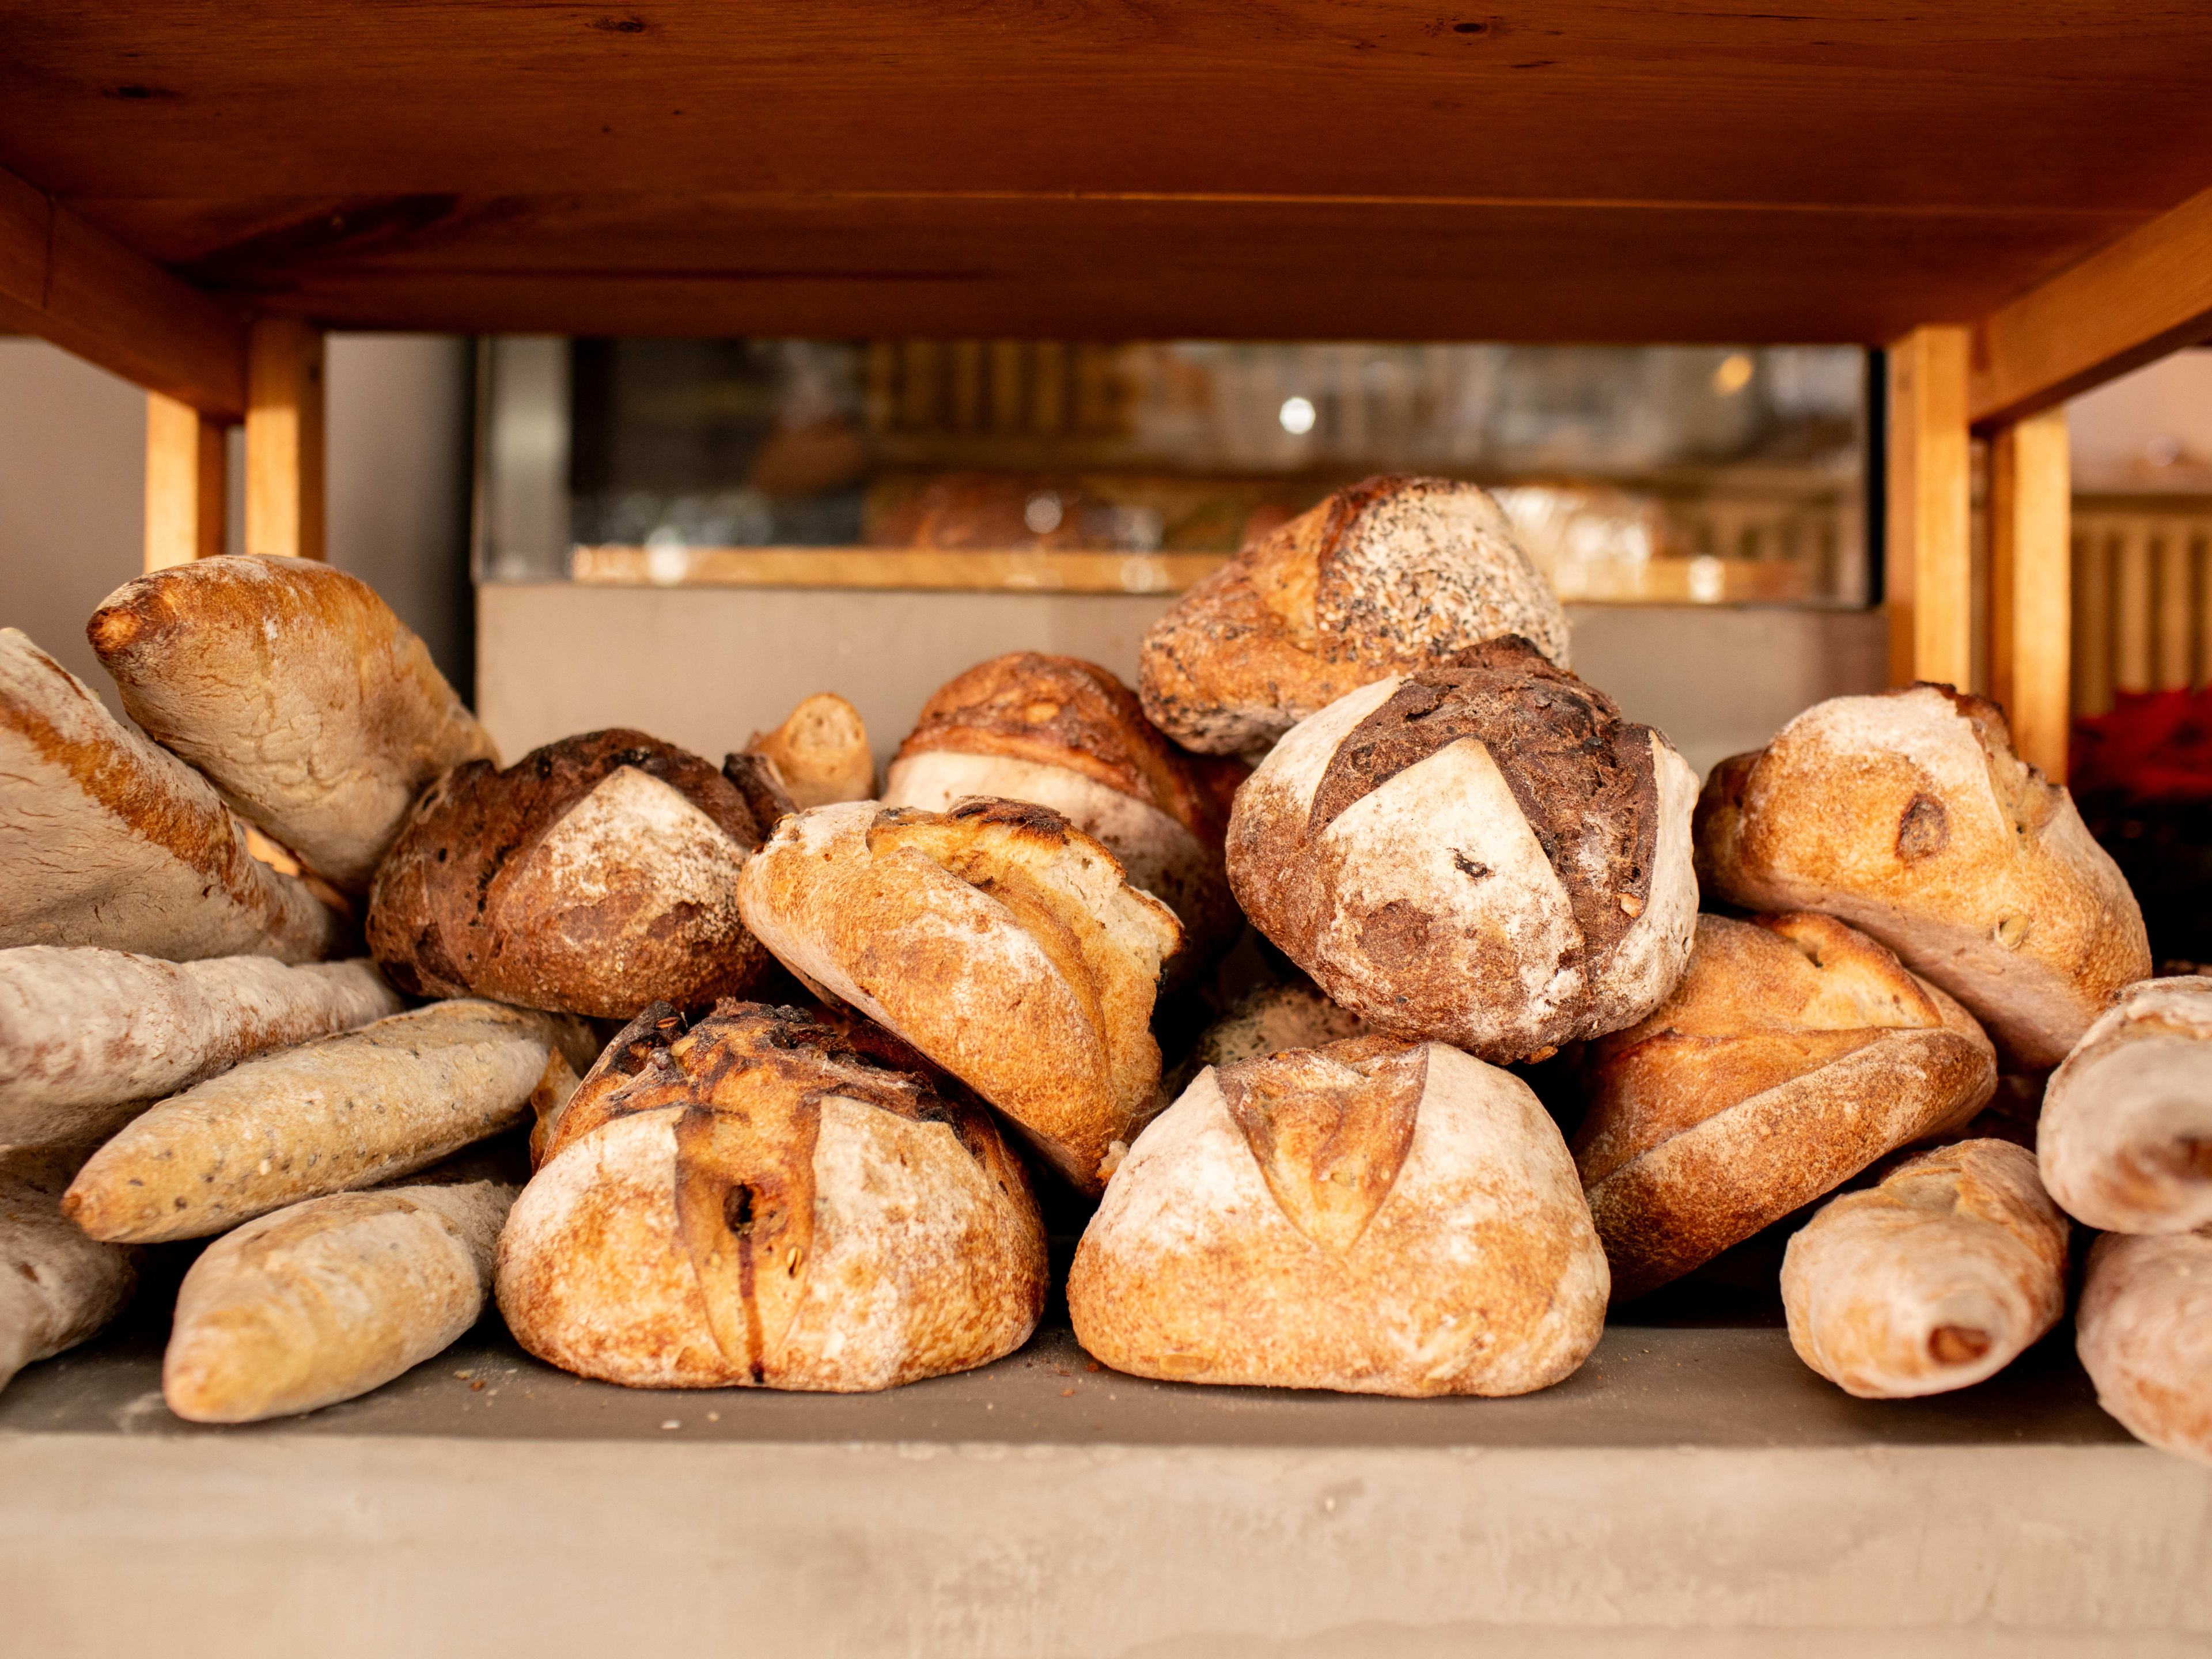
820,752
2125,1134
329,1116
2144,1333
113,842
57,1287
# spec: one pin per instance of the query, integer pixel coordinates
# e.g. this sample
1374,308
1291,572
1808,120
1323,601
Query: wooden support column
284,439
187,481
2031,587
1929,561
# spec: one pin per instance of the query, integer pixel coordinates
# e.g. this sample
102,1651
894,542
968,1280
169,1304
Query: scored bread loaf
820,752
1265,1020
90,1038
2125,1137
1794,1053
2144,1333
1908,815
57,1287
1375,1215
317,712
114,842
1935,1279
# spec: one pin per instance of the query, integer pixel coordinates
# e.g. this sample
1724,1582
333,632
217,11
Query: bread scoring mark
1924,830
1330,1134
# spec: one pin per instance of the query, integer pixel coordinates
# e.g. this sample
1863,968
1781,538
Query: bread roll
1908,815
1391,576
2125,1137
90,1038
329,1116
998,939
57,1287
2144,1333
758,1201
1935,1279
594,876
317,712
1485,854
820,752
1375,1215
1265,1020
114,842
1794,1053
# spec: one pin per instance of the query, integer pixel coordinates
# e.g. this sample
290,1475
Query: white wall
2150,431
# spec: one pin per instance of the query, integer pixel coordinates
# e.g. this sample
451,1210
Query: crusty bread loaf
90,1038
2144,1333
1390,576
1794,1053
332,1116
999,940
317,712
820,752
758,1201
1376,1216
1485,854
1908,815
114,842
57,1287
2125,1137
1935,1279
594,876
1265,1020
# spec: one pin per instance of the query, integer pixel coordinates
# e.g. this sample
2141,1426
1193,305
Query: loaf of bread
114,842
333,1115
1265,1020
90,1038
57,1287
820,752
1375,1215
1485,854
594,876
2144,1333
1067,734
1908,815
317,712
2125,1138
1794,1053
1935,1279
758,1202
1391,576
998,939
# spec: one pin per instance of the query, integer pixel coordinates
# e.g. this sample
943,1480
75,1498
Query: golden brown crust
820,752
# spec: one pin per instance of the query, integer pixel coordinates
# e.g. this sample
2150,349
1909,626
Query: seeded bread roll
594,876
1265,1021
317,713
763,1200
1376,1217
820,752
2144,1333
1485,854
1908,815
1390,576
998,939
1935,1279
2125,1137
57,1287
1794,1053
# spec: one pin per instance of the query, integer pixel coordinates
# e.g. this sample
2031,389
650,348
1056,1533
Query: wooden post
284,439
1928,560
2031,587
187,482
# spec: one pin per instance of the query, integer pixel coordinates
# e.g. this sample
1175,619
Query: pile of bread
793,1053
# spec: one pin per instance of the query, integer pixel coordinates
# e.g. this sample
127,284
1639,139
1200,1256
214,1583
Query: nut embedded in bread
1908,815
1794,1053
1390,576
1378,1217
1485,854
2125,1137
820,752
759,1201
2144,1333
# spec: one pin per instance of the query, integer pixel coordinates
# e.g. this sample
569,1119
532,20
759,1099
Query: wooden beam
284,440
187,483
1929,560
2142,296
2031,587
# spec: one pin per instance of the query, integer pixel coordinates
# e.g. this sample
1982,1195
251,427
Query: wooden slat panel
2030,623
285,440
2176,616
1930,555
2093,621
927,569
2131,608
187,476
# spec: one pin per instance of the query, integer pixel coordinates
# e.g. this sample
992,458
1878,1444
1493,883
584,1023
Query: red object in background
2154,746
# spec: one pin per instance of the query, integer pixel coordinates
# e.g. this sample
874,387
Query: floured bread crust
1908,815
820,752
757,1202
1392,575
1793,1054
2144,1333
317,712
1375,1216
57,1287
1485,854
1935,1279
2125,1137
999,940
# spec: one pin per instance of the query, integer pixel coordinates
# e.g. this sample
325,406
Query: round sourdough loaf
998,939
765,1200
2125,1137
1375,1215
1908,815
1485,854
1265,1020
1794,1053
2144,1333
1391,575
594,876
